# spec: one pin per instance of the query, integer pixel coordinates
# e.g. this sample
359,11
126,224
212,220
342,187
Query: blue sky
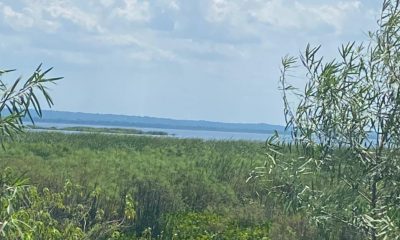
186,59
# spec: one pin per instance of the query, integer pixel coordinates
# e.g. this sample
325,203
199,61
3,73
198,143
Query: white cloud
107,3
173,4
220,10
209,29
69,12
189,49
280,14
204,50
335,15
233,19
117,40
49,15
16,20
167,4
134,11
142,48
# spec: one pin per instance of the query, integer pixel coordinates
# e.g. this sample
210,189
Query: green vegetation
345,127
100,130
338,178
19,100
175,184
101,186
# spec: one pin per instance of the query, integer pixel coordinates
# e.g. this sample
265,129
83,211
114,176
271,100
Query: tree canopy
345,126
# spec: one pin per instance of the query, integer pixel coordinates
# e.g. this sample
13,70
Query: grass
199,186
166,175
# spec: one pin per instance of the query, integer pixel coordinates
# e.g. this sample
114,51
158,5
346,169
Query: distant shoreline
85,129
122,121
78,118
160,126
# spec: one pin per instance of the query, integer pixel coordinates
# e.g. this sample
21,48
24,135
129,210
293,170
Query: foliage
69,214
164,176
18,98
16,102
345,127
212,226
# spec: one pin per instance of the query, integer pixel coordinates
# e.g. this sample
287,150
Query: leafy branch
21,99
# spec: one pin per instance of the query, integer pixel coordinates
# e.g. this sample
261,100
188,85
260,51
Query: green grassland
180,188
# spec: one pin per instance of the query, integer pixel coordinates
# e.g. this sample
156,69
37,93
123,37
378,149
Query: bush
31,214
211,226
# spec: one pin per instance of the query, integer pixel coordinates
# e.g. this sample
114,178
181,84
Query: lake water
179,133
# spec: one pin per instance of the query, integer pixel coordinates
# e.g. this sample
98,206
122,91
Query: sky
212,60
